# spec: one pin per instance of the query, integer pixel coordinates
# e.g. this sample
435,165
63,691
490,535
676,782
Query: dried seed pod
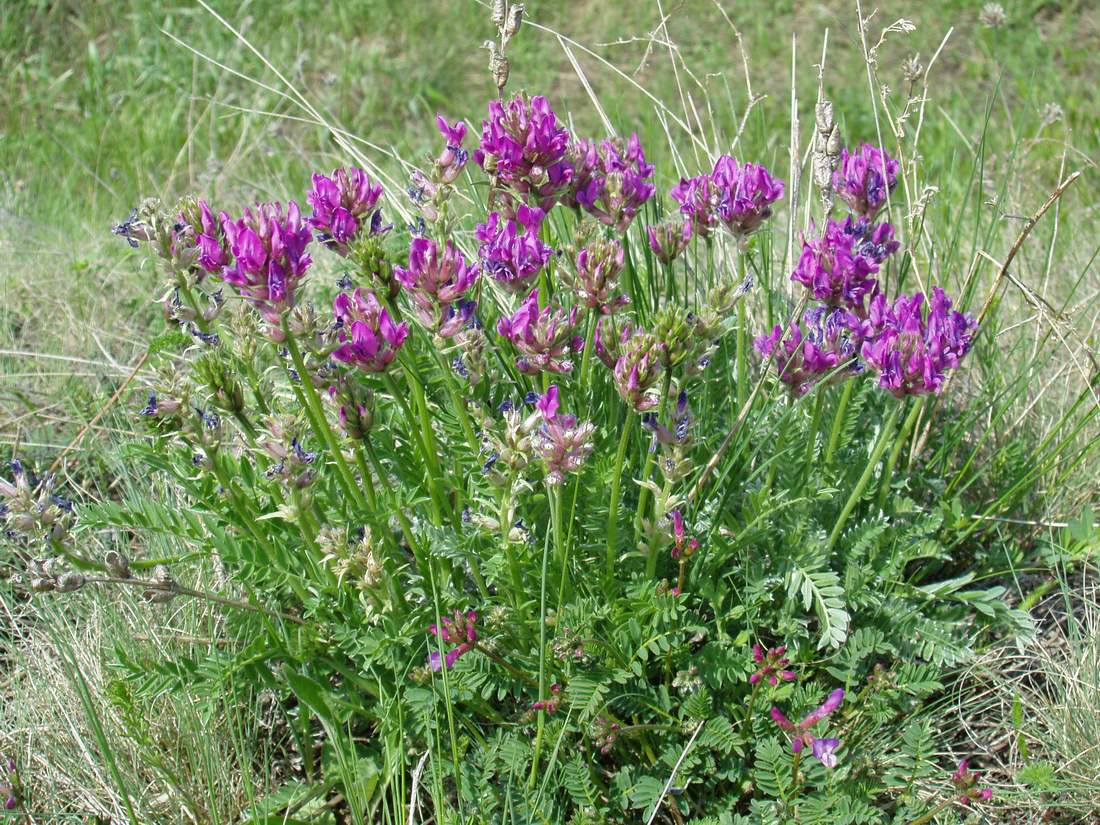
117,564
515,19
826,154
42,585
498,12
69,582
162,589
498,68
912,68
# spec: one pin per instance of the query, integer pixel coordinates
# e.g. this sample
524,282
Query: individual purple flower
268,248
839,267
611,182
210,238
824,750
697,199
802,358
863,179
965,781
669,239
510,250
599,264
743,195
523,148
341,206
437,283
910,351
369,338
563,443
681,545
771,665
453,159
544,338
459,630
681,421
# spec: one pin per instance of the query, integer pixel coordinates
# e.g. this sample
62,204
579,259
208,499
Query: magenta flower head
544,338
268,247
965,781
668,240
865,178
839,267
453,158
610,182
831,339
459,630
910,351
598,265
824,750
436,283
743,195
563,443
369,338
523,149
342,206
511,252
771,666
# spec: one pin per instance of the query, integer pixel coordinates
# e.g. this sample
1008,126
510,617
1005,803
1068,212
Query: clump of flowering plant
542,404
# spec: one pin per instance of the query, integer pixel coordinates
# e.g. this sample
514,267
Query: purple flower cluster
523,148
824,750
771,666
736,196
634,356
598,267
369,338
436,284
268,248
563,443
459,630
668,240
510,250
965,781
911,350
802,358
839,267
544,338
865,178
341,205
610,182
